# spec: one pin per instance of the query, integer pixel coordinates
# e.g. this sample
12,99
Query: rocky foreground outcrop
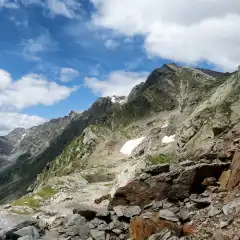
174,186
143,209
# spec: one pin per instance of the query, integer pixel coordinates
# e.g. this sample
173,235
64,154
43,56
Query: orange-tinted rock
234,178
223,180
141,227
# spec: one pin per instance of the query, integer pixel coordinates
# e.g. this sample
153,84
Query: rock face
234,178
38,146
171,185
9,223
169,88
194,216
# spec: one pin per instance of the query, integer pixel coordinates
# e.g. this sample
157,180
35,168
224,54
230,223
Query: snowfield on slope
169,139
165,125
129,146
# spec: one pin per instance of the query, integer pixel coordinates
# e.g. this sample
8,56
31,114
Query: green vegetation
27,201
71,159
158,159
65,163
47,192
19,212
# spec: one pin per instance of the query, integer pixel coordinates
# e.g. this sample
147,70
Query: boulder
154,206
214,211
168,215
98,235
10,223
30,231
131,211
201,202
102,198
141,192
90,212
95,222
76,225
173,185
127,211
142,227
157,169
223,180
210,181
232,207
102,227
116,224
119,210
184,215
117,231
234,178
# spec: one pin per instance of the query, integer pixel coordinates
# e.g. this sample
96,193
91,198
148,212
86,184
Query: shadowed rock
174,186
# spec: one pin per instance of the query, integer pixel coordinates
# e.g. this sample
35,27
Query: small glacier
130,145
168,139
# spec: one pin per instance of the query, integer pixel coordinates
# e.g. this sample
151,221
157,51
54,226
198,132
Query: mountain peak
72,114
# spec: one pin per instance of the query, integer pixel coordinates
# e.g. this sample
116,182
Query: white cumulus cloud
12,120
28,91
5,79
184,30
118,83
68,74
31,90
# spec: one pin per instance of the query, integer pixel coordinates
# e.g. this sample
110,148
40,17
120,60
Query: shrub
27,201
158,159
46,192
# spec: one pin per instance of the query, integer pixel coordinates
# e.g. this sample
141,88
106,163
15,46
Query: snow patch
165,125
113,99
168,139
23,136
130,145
121,102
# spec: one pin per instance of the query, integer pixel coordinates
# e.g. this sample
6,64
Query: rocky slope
39,146
186,124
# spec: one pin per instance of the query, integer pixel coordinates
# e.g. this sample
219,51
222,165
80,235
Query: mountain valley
161,163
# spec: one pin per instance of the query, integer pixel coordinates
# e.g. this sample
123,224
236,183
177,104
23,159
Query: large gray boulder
10,223
76,225
29,231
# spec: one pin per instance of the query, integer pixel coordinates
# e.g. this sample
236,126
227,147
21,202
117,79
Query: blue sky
60,55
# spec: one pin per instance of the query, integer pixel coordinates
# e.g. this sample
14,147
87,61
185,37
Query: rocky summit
161,163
